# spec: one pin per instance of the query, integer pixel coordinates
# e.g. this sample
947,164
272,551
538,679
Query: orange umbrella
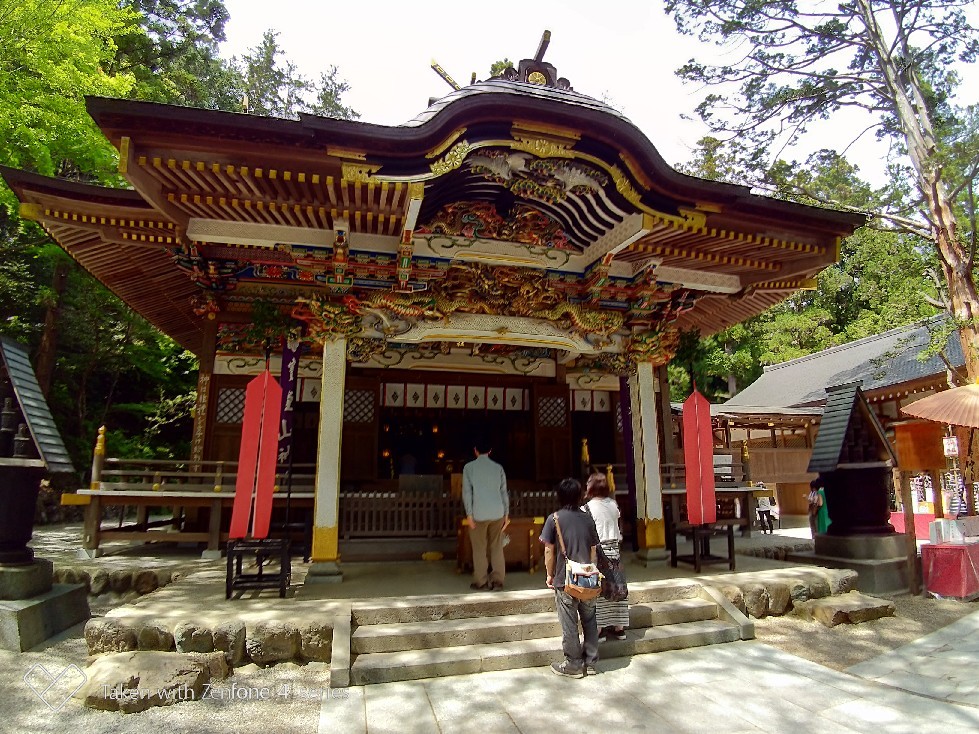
958,407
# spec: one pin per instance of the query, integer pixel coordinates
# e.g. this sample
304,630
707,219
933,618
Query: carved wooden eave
501,175
122,241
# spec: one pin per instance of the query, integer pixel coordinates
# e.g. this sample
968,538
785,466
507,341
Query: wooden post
93,524
98,460
936,491
909,535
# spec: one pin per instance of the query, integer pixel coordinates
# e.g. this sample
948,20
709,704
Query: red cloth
921,522
698,459
951,569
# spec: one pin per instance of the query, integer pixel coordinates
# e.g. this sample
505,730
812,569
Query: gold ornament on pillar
656,346
327,320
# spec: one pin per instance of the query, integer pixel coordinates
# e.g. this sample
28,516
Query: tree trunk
911,110
47,352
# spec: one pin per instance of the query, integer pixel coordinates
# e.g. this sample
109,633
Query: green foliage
52,54
879,283
112,367
173,54
792,65
799,64
498,67
274,87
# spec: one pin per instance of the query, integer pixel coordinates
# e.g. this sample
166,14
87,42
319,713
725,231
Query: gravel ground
294,692
292,699
848,644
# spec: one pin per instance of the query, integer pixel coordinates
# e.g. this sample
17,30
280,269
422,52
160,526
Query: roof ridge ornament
531,71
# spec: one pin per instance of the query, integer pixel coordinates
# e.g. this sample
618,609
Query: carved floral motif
656,346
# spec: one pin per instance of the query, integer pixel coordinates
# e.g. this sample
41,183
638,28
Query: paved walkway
734,688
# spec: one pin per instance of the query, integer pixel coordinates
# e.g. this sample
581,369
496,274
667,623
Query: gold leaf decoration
453,159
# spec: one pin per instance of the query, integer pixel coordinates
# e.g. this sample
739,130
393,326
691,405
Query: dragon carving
471,288
657,346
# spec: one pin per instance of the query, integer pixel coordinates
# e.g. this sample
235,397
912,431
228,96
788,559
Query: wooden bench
207,486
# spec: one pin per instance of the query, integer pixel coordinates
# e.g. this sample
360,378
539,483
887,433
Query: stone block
843,581
340,650
120,581
190,637
272,642
734,595
26,623
215,663
229,638
100,583
819,588
756,600
107,635
135,681
799,591
154,637
145,581
779,598
316,641
850,608
23,582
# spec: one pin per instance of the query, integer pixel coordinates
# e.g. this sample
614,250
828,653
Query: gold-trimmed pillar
208,349
646,460
325,555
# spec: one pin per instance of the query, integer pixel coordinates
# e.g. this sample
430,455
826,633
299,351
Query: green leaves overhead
274,87
796,64
53,53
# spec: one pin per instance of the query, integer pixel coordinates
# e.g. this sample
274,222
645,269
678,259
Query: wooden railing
734,474
132,475
398,515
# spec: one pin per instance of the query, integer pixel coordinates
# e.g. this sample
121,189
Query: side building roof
34,407
878,361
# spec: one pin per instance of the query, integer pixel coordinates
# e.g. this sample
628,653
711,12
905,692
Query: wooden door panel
358,450
552,432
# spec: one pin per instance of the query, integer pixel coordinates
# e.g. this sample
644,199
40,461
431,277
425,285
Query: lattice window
552,412
231,405
358,406
618,418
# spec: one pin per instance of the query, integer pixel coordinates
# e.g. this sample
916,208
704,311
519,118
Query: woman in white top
612,616
764,505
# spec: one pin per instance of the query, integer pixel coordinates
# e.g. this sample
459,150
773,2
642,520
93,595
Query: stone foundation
267,643
124,584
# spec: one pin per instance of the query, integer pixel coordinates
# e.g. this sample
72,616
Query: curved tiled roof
879,361
517,89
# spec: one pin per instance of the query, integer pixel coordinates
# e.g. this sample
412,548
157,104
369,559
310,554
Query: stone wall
114,587
775,592
265,643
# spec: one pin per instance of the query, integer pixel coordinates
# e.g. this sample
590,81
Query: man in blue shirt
487,503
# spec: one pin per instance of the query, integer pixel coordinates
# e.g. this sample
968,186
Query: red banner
257,458
698,457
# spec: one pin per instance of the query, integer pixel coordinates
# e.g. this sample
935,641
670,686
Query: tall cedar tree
797,63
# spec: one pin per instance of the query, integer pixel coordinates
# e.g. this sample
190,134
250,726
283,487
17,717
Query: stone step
385,667
391,637
406,609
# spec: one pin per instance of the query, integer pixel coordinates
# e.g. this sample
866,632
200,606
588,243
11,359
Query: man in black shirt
580,539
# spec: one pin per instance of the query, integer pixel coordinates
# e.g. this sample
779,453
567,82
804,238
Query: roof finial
445,75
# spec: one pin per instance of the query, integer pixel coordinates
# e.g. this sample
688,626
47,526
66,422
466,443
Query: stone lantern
31,607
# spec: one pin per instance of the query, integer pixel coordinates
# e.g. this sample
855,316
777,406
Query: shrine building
516,261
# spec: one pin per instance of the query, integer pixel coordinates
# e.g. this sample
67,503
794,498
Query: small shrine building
517,260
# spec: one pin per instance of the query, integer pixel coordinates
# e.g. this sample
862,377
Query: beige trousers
487,543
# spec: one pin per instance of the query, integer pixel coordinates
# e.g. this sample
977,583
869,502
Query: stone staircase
424,637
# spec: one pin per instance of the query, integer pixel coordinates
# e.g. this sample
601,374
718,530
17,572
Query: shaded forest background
103,365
